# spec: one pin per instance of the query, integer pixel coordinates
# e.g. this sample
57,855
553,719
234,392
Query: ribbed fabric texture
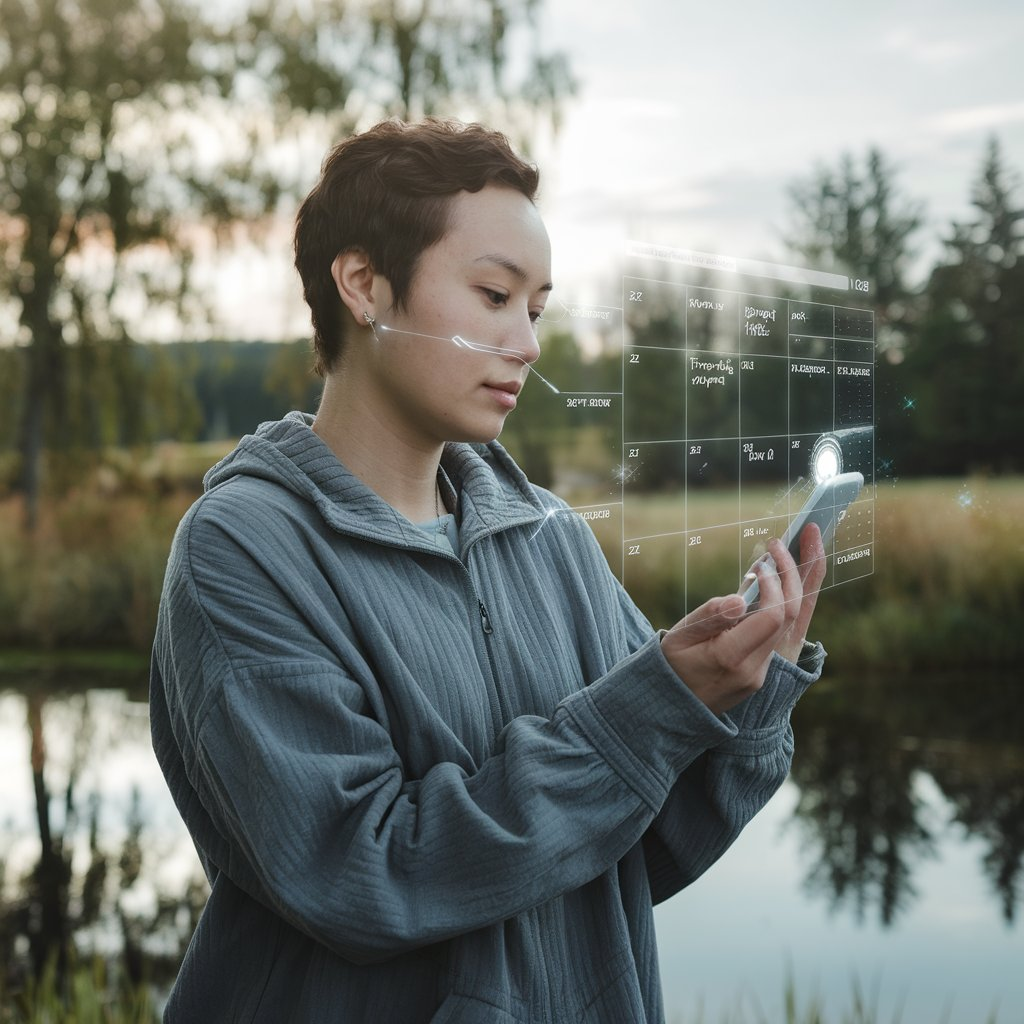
428,789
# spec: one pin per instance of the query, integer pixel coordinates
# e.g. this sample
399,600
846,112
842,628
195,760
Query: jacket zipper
485,619
499,708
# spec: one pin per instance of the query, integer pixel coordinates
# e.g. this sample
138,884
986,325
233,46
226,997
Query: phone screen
826,506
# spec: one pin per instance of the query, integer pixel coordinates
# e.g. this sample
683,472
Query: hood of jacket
493,491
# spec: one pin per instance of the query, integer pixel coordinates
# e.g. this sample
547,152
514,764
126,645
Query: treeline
132,395
950,344
949,373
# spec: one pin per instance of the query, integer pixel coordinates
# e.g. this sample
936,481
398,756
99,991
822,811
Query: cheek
449,312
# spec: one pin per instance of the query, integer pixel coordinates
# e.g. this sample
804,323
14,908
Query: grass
948,586
863,1008
90,575
947,589
92,994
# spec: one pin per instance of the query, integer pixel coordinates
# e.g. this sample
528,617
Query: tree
854,221
971,344
133,132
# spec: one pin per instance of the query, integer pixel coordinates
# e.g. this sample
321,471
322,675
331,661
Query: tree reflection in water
980,770
82,867
863,747
87,885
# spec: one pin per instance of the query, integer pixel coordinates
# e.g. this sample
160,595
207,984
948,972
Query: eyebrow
512,267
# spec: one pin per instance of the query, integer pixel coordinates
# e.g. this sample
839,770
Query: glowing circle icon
826,458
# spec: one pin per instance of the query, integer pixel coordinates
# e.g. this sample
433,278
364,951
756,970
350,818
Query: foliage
855,221
90,574
132,134
952,348
93,994
947,590
967,363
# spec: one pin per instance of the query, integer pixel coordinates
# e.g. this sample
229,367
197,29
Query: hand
723,655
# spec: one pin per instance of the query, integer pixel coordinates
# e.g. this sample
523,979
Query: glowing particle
965,499
909,403
547,518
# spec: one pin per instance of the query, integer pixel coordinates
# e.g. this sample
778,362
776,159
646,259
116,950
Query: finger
812,558
812,567
758,631
770,570
789,578
708,620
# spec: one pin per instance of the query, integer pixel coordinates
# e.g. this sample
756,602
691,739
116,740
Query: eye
495,298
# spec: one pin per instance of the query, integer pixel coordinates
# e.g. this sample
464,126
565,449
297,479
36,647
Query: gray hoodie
428,788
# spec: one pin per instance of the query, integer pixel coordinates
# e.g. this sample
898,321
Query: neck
402,470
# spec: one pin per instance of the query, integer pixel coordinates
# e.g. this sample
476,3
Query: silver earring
370,321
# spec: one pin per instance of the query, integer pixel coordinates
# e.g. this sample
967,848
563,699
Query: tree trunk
43,385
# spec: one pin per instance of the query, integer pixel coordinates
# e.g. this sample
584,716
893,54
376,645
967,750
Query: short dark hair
388,191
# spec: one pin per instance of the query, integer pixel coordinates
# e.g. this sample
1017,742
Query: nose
522,340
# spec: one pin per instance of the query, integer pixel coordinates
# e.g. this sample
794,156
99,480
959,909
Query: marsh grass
90,574
948,585
863,1007
94,996
91,994
947,589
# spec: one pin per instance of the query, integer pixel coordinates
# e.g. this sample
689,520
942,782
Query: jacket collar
493,492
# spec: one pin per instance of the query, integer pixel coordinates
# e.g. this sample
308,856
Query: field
947,591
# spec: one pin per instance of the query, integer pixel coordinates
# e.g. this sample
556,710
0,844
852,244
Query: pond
889,865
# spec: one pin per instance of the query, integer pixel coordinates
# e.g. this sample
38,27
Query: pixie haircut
388,192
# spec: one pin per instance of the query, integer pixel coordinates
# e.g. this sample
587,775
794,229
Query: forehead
498,222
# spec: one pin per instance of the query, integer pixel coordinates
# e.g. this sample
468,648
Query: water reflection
85,845
93,856
863,748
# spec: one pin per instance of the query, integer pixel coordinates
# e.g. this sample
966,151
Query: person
436,764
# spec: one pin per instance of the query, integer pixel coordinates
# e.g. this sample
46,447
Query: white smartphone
826,506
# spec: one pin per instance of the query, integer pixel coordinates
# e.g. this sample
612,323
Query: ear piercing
370,321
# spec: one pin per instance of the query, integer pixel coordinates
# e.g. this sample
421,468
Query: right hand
721,654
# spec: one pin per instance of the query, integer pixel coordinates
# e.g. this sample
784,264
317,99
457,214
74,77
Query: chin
479,433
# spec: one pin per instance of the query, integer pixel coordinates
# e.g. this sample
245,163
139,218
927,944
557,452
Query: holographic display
741,386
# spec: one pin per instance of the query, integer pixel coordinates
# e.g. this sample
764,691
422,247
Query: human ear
355,281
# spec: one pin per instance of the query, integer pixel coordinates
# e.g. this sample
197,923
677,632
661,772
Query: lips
505,392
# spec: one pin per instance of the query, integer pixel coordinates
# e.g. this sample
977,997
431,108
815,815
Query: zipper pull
485,619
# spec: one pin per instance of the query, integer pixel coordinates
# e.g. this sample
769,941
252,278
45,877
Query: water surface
890,861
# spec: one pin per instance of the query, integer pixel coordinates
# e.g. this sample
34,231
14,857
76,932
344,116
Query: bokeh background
152,156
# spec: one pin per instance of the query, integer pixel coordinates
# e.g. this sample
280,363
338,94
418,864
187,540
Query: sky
693,119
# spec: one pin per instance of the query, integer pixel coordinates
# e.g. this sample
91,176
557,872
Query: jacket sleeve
293,787
729,782
726,786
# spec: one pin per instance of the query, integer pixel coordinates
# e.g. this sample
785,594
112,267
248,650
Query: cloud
911,44
976,119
